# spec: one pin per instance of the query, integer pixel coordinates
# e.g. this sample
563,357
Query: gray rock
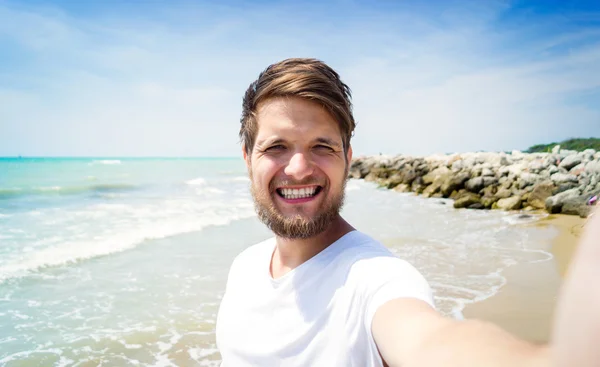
417,185
503,193
540,193
576,206
475,184
402,188
511,203
565,187
528,179
577,169
571,161
560,178
552,170
593,167
554,203
538,165
466,200
556,149
487,172
436,173
487,181
454,183
488,201
590,152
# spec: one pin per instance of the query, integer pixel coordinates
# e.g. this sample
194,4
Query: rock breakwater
561,181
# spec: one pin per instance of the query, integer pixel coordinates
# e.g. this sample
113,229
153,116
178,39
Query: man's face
297,167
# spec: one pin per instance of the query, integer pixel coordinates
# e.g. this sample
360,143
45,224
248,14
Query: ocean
123,261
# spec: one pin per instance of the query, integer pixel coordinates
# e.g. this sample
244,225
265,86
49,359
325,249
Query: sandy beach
525,305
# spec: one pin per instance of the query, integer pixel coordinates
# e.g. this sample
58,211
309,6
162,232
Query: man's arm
409,333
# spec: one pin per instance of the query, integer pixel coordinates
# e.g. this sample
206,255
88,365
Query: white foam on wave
107,161
241,178
172,221
196,181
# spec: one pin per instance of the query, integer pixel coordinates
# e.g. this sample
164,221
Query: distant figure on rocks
321,293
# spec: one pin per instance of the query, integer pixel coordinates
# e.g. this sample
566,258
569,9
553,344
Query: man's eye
275,148
324,147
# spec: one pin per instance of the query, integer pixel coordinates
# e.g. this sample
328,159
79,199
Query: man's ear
246,155
349,154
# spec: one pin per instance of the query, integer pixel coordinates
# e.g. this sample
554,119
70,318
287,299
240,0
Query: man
323,294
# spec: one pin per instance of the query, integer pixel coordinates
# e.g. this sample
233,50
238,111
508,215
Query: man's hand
576,334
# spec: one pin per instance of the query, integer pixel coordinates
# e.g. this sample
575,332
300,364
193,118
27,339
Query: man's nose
299,166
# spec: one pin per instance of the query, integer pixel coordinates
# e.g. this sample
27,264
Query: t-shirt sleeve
391,278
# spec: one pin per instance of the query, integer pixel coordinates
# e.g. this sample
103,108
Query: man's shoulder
360,246
256,252
372,260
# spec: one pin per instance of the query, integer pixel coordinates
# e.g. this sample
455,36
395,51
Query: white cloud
422,82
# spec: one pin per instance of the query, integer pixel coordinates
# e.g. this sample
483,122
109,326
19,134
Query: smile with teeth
302,193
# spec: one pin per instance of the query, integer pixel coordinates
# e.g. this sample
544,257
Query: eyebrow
328,141
275,140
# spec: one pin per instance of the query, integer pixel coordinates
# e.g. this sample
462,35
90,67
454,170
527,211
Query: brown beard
297,227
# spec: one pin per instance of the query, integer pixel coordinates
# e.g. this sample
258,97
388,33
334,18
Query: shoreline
525,305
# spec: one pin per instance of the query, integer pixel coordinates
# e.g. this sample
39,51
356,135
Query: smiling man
321,293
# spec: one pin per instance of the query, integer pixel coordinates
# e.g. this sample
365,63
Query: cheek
264,170
333,168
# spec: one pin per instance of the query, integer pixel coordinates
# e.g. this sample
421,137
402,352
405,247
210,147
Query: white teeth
299,193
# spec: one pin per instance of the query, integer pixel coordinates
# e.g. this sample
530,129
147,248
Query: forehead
293,117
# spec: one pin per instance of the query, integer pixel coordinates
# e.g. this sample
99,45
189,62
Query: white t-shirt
318,314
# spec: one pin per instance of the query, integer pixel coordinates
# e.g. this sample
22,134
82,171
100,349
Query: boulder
454,183
408,176
436,173
577,169
417,185
435,186
511,203
560,178
503,193
475,184
487,181
555,203
564,187
571,161
466,200
488,201
402,188
393,181
485,171
540,193
528,179
593,167
577,206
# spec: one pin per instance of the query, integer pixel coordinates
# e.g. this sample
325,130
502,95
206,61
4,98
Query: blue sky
166,78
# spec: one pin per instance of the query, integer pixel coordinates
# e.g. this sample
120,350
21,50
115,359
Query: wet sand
525,305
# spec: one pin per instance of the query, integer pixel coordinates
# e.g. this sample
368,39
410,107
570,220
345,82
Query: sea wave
107,161
196,181
72,252
13,193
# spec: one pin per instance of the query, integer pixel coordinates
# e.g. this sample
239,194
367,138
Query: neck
291,253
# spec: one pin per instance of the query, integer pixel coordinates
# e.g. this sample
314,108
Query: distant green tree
578,144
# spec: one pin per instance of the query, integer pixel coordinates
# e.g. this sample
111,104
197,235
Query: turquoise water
123,261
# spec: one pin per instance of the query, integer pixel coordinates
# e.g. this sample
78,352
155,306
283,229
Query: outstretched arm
409,333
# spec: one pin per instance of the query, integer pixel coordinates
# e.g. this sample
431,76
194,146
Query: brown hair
305,78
